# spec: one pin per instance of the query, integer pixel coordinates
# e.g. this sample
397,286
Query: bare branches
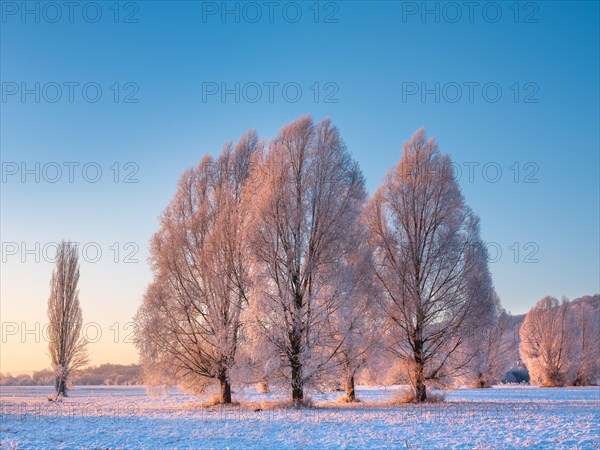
190,318
67,347
307,195
423,238
560,341
279,244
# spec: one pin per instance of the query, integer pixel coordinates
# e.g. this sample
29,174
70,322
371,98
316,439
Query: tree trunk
350,394
420,388
61,387
297,384
482,381
295,361
296,366
225,387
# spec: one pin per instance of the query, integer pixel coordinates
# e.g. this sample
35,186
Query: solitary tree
307,194
425,243
67,347
190,316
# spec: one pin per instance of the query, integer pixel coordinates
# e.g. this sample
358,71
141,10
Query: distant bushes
105,374
560,342
516,376
23,380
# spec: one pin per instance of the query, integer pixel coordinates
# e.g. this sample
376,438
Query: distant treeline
105,374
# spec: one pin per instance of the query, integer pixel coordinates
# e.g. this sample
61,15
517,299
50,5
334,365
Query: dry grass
407,396
262,388
286,404
401,398
55,398
344,399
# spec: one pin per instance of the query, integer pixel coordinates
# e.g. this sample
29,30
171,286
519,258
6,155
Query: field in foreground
125,417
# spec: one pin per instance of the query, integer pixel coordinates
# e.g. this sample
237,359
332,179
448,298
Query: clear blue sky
374,56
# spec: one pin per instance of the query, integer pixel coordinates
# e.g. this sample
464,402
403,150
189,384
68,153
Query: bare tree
306,194
488,351
355,324
485,355
547,342
190,317
67,346
586,318
424,241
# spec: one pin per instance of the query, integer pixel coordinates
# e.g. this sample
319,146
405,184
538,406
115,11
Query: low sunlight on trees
546,342
486,353
586,319
190,316
356,324
306,195
273,268
424,240
67,346
560,342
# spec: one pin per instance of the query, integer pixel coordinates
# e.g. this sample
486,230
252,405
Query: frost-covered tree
67,346
355,324
486,353
424,241
190,316
547,342
560,341
306,193
586,319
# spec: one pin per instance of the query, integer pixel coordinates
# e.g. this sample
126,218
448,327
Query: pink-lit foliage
306,196
560,342
271,266
426,244
190,316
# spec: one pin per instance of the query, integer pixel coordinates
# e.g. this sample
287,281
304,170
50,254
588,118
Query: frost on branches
424,240
190,316
306,195
560,342
272,267
487,352
66,345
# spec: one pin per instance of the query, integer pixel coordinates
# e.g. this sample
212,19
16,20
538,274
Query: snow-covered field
125,417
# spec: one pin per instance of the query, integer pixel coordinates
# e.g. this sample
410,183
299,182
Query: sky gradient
509,90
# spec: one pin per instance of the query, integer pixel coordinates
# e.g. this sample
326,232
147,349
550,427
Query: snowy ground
124,417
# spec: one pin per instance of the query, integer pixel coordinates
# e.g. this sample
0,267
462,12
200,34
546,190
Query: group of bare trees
560,342
272,266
